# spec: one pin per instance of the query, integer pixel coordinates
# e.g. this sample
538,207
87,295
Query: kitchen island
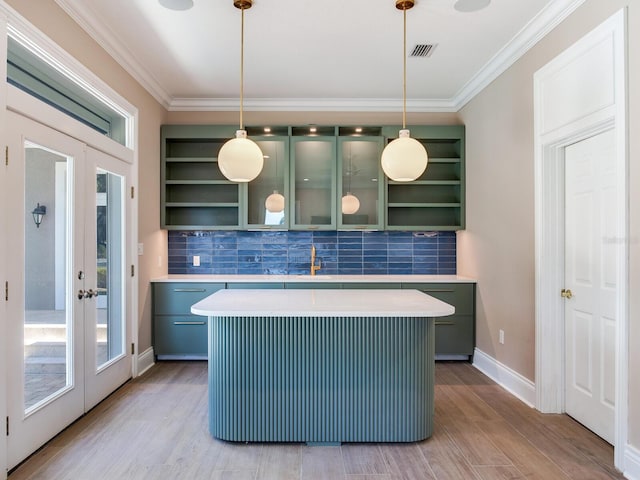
321,366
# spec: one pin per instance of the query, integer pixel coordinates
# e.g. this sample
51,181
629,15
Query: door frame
556,128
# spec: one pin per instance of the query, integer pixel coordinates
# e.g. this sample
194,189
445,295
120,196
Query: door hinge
133,270
6,156
7,425
132,192
6,291
133,348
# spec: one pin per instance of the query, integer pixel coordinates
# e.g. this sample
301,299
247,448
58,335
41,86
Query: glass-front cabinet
361,183
313,178
268,195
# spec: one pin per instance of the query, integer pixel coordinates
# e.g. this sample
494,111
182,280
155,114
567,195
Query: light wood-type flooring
155,427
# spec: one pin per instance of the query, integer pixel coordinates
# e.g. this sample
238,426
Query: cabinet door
177,298
360,183
267,206
180,336
313,183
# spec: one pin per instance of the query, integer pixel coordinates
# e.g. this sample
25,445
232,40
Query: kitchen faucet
314,267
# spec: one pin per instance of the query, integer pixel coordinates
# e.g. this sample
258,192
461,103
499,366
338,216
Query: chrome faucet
314,267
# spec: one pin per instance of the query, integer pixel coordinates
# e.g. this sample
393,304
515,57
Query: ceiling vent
423,50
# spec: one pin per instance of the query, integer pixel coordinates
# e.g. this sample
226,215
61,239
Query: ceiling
323,55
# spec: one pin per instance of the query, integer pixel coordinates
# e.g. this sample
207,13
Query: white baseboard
510,380
632,463
145,360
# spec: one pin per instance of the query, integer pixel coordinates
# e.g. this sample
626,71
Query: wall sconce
38,212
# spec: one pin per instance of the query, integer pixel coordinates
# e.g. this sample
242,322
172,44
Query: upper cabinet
314,178
360,180
267,197
435,201
194,194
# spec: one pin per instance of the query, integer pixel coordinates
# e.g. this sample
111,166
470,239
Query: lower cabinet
455,334
177,334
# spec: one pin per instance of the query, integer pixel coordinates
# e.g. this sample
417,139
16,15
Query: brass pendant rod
241,69
404,72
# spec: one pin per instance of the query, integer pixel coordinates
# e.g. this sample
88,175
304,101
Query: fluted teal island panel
321,378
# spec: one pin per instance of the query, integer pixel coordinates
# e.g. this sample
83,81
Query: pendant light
350,203
404,159
240,159
275,202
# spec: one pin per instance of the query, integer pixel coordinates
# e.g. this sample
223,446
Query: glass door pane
360,183
313,182
109,293
48,311
267,194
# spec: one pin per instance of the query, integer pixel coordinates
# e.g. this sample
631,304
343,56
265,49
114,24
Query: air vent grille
423,50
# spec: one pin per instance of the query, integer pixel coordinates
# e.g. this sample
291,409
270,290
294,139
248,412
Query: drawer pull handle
442,322
189,323
189,289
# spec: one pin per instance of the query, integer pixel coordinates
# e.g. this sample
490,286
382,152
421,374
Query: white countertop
322,303
319,278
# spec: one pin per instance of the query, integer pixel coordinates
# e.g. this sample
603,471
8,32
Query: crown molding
546,20
310,104
84,17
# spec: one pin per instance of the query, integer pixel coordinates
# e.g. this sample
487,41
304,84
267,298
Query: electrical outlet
141,249
501,336
196,260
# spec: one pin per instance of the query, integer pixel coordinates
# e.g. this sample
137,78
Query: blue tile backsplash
289,253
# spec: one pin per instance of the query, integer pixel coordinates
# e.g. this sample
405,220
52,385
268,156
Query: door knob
566,293
90,293
81,294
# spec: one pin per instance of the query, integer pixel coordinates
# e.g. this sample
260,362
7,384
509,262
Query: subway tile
284,252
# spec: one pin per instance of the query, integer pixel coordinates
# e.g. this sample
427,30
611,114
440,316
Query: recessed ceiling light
471,5
177,4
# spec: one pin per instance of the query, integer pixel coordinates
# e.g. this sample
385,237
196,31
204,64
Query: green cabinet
360,182
266,197
313,167
177,334
455,334
436,200
194,195
313,179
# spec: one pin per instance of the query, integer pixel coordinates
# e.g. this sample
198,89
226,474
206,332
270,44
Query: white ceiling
341,55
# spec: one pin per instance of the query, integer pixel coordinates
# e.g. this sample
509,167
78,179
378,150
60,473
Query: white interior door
69,288
591,277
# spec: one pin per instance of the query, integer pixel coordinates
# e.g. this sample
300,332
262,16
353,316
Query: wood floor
155,427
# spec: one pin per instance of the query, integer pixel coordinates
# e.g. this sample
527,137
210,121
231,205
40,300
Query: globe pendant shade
274,202
350,204
404,159
240,159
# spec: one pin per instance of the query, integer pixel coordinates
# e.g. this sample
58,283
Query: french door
69,288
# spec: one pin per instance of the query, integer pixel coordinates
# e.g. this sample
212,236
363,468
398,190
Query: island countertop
323,303
319,278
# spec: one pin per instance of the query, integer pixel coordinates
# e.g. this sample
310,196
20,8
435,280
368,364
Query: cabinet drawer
180,336
255,286
454,335
177,298
460,295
